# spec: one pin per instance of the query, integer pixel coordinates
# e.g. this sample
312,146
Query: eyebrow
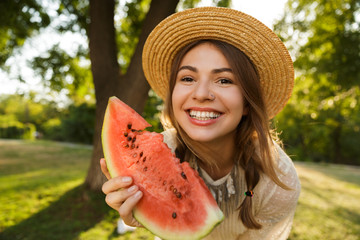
217,70
220,70
193,69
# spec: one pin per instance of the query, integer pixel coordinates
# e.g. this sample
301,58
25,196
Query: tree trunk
105,71
134,87
131,88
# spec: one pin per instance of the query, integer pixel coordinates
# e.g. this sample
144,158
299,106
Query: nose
202,91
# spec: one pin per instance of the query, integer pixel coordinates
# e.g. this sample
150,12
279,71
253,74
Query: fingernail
138,194
132,188
126,179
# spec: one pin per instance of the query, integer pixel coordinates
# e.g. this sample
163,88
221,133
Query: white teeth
201,115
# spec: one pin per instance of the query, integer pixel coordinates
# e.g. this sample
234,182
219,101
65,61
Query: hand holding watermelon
121,195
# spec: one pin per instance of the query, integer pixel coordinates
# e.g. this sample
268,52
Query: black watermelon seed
174,215
133,140
129,138
129,126
141,154
144,159
133,130
178,195
127,145
125,134
183,175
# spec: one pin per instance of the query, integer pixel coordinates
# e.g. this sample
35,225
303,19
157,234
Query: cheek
235,102
175,98
179,96
176,102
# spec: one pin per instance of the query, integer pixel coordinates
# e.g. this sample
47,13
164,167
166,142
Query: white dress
273,207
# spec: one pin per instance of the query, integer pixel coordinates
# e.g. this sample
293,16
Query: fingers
114,184
125,210
118,198
104,168
124,201
123,197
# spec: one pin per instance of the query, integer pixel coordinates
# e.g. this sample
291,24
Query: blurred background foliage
25,117
18,21
321,122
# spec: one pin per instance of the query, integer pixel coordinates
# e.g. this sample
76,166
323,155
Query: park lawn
329,204
42,197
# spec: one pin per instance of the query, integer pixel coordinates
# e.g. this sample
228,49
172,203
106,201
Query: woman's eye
187,79
225,81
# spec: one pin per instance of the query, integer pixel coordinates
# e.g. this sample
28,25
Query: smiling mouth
203,115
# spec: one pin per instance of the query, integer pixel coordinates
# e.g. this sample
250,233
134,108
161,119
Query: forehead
205,54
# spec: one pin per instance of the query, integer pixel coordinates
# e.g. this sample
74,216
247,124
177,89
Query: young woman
223,76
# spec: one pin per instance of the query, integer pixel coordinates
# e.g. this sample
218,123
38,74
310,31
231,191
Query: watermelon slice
176,203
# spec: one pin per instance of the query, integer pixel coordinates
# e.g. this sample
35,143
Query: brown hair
253,139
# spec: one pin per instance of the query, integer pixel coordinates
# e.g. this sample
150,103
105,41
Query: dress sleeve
275,207
170,139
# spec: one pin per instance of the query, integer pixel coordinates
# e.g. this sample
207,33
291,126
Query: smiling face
207,99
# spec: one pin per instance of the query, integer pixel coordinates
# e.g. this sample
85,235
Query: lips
203,115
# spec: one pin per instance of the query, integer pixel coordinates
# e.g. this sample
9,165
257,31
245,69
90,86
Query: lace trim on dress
225,190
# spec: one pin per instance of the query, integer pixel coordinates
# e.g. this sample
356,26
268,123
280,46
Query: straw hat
256,40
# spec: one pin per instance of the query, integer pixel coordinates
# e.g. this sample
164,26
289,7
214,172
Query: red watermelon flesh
176,203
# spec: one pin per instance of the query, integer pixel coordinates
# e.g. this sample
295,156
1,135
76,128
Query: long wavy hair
254,139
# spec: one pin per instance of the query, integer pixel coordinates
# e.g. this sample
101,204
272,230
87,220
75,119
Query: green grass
42,197
329,204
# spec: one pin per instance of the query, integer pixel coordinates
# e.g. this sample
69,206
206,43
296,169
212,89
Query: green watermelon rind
214,219
105,145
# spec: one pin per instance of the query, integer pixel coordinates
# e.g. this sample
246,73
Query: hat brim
255,39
